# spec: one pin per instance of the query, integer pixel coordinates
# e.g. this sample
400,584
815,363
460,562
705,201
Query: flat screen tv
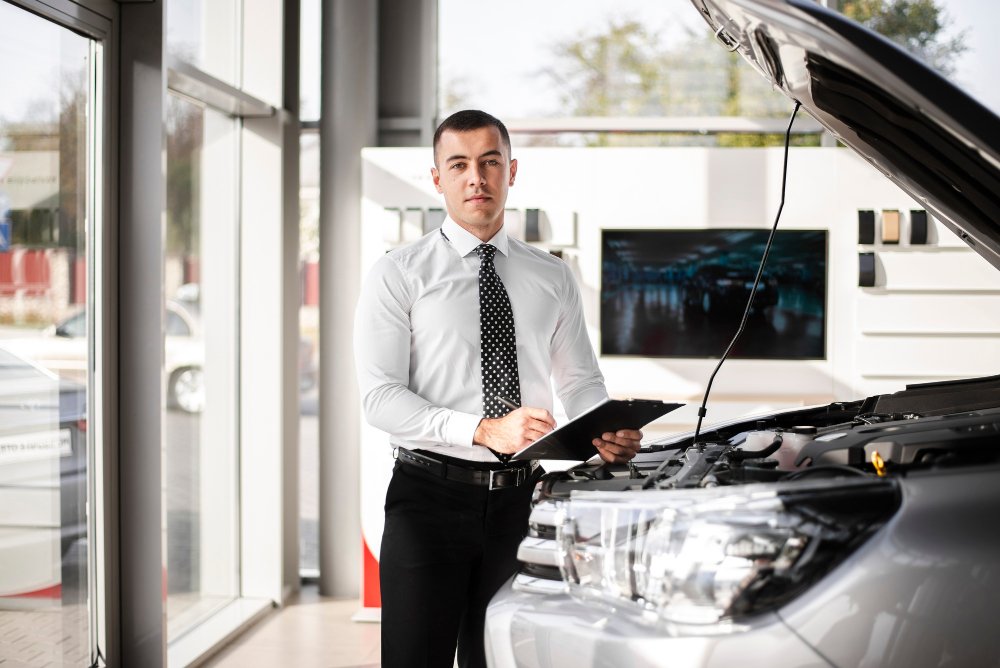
682,292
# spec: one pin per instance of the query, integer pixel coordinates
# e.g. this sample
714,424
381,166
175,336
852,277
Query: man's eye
492,163
457,165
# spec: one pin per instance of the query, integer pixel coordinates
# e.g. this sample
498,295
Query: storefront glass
200,357
47,92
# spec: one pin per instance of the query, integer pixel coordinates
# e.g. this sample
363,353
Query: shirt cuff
461,429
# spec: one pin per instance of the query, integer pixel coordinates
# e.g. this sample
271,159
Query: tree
916,25
184,136
629,69
613,73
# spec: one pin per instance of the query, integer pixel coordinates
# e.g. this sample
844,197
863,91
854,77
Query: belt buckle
520,474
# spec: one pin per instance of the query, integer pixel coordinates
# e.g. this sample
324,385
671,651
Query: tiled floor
46,638
312,631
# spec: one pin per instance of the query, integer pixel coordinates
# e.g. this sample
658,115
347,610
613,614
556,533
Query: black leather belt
512,476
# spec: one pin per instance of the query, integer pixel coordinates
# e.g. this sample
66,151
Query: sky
32,51
492,49
978,70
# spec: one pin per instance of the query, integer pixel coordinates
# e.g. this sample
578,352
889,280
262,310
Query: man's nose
476,176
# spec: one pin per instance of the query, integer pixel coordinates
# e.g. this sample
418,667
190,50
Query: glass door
47,129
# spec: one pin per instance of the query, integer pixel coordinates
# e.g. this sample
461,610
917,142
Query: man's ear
436,176
513,171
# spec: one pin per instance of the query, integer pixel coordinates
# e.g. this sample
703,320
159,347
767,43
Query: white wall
935,314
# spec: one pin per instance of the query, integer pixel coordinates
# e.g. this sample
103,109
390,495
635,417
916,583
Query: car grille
539,554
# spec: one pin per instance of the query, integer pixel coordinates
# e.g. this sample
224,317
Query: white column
349,119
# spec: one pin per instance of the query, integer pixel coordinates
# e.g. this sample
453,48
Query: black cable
99,660
756,281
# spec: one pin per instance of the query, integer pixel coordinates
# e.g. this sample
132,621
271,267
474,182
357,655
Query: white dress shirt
416,339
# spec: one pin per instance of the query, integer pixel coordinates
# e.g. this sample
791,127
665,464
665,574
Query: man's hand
618,447
514,431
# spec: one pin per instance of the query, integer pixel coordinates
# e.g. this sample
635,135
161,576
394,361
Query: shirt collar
465,242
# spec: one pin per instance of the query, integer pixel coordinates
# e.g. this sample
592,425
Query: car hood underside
929,137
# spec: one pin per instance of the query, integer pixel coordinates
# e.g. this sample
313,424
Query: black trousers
446,549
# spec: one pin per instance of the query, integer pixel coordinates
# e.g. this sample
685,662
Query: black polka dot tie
497,341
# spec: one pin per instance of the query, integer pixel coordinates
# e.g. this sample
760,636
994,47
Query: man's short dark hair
471,119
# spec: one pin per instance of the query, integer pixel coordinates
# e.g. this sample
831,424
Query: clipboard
573,439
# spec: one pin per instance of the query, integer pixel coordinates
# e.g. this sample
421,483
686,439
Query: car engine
923,426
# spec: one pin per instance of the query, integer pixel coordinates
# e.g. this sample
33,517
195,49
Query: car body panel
43,475
922,591
524,630
914,583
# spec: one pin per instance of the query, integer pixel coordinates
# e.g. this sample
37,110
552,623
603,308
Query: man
458,337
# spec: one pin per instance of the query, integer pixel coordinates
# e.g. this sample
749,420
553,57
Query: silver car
852,534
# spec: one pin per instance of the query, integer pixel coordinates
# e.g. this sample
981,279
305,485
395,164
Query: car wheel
187,389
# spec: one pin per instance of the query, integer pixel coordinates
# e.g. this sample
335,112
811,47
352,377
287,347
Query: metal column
407,72
137,618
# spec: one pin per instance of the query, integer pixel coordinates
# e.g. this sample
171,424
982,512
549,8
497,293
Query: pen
508,403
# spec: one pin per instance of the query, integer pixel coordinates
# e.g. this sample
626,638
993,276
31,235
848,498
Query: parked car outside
859,533
719,288
63,349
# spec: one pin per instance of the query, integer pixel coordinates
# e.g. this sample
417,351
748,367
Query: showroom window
644,67
632,68
309,320
203,33
309,327
47,204
222,329
200,357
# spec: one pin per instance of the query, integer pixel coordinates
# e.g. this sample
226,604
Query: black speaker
866,270
918,226
532,228
433,219
866,227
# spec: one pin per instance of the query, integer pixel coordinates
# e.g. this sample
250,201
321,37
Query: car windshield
176,325
73,327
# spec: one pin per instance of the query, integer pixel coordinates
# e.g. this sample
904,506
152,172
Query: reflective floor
51,636
312,631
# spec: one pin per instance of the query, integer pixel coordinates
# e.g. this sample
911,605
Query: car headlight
700,556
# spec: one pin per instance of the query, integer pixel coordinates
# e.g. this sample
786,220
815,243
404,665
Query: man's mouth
478,199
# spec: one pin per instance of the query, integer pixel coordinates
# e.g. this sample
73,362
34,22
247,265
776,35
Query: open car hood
927,136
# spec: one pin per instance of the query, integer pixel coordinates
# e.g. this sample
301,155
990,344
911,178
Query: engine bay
926,426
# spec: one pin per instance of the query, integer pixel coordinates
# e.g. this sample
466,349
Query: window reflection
44,200
200,353
309,357
203,33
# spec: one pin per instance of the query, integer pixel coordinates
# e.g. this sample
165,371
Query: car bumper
555,631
